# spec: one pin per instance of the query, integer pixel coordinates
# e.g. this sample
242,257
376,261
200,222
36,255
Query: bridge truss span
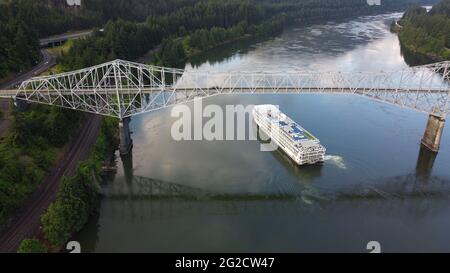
122,89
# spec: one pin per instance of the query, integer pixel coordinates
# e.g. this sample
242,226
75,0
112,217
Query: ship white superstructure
294,140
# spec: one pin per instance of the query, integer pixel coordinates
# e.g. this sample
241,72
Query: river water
227,196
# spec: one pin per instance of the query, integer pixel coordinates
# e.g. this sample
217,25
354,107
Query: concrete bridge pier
433,133
22,105
425,163
126,143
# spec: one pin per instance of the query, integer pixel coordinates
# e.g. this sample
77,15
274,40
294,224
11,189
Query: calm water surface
228,196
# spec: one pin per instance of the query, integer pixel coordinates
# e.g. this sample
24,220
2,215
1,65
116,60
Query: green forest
427,33
29,149
206,24
135,26
77,195
23,22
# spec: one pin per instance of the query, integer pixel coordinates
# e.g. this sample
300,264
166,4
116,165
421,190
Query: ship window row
285,140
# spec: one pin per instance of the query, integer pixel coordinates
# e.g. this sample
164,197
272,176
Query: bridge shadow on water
136,200
420,183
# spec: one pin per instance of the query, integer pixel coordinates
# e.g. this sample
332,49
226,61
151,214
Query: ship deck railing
291,128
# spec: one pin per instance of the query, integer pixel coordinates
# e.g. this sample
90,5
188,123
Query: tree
69,213
427,34
31,246
55,226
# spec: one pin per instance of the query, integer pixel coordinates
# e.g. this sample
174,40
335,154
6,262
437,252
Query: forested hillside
427,33
22,22
144,24
209,23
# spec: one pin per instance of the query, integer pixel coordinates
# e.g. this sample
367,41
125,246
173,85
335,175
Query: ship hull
300,145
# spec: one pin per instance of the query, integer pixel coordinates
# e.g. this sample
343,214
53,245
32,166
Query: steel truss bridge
123,89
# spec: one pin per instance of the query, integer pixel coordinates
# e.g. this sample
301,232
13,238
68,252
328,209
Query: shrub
31,246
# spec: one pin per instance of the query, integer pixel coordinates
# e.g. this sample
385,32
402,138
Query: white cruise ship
296,142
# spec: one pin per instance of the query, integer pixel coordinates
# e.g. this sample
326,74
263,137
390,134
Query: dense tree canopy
22,22
443,7
28,151
427,33
31,246
77,195
208,23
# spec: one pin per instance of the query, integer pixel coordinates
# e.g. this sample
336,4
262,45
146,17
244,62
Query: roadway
46,63
111,91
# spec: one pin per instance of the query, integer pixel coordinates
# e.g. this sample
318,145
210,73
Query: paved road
47,62
27,220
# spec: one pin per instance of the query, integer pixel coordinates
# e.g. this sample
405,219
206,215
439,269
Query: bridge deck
117,88
225,90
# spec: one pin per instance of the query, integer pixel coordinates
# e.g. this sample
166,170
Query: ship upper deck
296,133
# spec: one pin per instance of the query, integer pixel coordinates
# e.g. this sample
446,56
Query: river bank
78,195
413,56
48,165
176,51
424,32
26,220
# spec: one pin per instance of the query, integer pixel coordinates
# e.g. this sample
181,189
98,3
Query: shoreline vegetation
22,23
33,142
77,197
426,34
205,25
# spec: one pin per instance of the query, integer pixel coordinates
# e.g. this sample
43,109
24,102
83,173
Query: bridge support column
432,136
22,105
126,143
425,163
